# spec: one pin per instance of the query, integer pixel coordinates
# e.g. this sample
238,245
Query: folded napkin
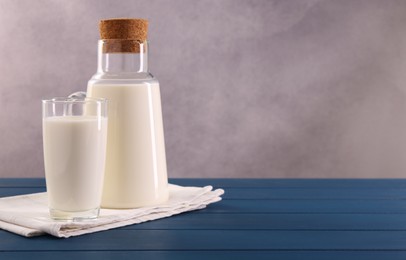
28,215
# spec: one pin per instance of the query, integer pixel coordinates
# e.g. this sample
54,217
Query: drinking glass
74,140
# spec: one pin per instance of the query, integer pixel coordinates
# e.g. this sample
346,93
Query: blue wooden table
258,218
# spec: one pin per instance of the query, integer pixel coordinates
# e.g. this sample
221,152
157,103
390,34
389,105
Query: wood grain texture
280,219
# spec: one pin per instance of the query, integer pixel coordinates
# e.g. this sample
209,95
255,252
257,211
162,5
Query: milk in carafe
136,172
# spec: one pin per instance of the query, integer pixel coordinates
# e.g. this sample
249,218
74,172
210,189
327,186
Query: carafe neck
119,56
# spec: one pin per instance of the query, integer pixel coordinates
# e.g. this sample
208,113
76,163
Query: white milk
74,152
135,173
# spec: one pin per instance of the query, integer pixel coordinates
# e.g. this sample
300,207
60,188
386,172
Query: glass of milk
75,137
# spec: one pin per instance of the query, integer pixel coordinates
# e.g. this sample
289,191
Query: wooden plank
304,206
204,255
22,182
14,191
211,240
276,193
295,183
248,183
361,222
308,206
316,193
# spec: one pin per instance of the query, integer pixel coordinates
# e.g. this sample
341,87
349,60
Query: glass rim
70,100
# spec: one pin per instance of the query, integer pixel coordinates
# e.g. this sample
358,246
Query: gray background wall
294,88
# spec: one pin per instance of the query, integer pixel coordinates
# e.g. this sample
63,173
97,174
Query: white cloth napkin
28,215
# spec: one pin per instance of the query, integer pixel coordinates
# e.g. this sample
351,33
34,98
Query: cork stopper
123,34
